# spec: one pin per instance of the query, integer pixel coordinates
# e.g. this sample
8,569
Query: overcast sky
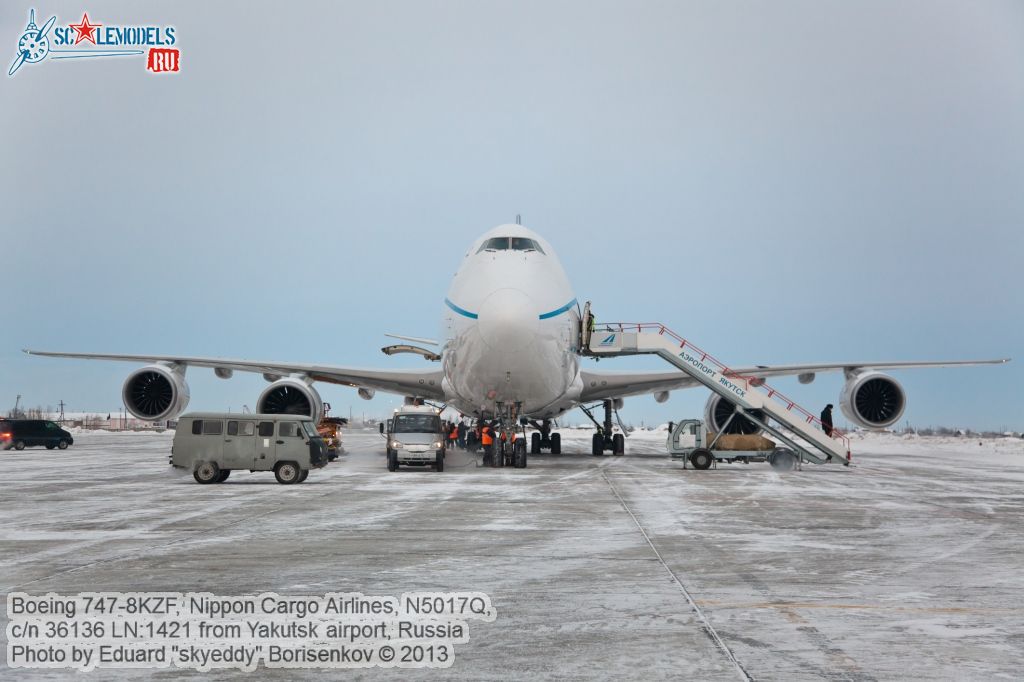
781,182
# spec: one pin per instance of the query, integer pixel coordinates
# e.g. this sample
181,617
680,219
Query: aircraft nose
508,320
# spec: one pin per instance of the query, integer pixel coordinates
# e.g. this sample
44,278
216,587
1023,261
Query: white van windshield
417,423
309,429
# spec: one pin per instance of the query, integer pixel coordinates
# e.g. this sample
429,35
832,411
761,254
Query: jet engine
366,393
156,392
872,400
291,395
717,411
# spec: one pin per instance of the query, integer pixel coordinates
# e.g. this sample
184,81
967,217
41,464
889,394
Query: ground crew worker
461,439
826,420
487,440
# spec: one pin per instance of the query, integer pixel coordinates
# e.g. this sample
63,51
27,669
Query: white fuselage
510,329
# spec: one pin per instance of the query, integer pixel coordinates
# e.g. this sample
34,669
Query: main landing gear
543,439
604,439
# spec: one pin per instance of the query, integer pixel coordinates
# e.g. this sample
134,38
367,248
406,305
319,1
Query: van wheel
392,461
439,463
62,444
207,472
19,445
224,473
701,458
287,473
50,446
304,476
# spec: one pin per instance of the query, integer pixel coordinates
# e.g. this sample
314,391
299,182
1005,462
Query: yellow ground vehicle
329,429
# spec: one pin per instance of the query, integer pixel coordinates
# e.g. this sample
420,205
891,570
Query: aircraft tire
535,444
618,444
597,445
556,443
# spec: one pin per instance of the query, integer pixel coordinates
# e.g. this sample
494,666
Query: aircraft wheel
597,445
618,444
535,444
556,443
701,458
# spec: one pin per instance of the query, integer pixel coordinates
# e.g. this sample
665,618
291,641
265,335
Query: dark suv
22,433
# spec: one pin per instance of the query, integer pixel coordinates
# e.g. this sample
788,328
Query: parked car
25,433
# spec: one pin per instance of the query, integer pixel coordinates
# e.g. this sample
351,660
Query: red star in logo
85,30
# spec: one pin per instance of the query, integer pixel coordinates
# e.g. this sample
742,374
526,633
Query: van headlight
395,444
437,444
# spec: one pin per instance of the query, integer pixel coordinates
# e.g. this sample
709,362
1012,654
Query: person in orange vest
453,436
487,440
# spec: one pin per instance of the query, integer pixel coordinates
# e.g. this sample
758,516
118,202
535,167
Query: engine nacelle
718,410
156,392
291,396
661,396
366,393
872,400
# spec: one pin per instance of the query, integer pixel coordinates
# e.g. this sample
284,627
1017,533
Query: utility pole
16,401
61,417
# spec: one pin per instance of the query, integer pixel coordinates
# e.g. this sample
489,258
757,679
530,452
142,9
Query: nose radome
508,320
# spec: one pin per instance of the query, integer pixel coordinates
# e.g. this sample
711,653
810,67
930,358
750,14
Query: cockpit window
524,244
507,243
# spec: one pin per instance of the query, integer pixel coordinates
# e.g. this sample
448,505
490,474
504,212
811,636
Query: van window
197,427
310,429
213,427
417,423
288,429
50,426
241,428
266,429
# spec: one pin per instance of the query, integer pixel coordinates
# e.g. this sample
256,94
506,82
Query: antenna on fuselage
519,219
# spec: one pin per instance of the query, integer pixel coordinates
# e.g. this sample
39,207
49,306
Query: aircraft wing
602,385
422,383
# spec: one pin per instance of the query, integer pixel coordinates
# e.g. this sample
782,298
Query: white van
414,438
213,444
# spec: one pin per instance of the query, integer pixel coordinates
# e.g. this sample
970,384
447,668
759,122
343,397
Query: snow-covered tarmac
905,567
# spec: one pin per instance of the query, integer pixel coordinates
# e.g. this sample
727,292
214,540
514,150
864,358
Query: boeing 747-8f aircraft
511,331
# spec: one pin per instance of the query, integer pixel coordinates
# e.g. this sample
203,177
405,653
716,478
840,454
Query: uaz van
24,433
213,444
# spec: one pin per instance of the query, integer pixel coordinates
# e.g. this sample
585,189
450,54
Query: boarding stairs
791,424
